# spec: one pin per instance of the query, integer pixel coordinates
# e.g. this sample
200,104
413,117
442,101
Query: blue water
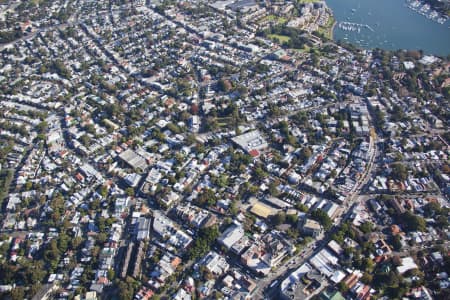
395,26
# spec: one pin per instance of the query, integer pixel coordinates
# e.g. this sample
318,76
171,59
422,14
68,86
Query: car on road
273,284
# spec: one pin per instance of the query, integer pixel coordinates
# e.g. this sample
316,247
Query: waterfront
395,26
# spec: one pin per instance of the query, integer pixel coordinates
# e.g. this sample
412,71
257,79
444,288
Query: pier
350,26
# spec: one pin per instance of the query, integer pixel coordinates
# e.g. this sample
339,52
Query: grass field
304,50
327,31
279,20
281,38
224,122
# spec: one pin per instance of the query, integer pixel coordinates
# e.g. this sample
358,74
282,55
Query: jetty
350,26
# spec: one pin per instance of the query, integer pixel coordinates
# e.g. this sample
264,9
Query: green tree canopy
322,217
412,222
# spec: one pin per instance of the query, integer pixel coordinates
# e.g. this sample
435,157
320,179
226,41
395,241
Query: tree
242,90
342,287
224,85
368,264
104,191
284,127
218,295
42,127
395,292
292,219
233,209
291,140
111,274
173,128
34,272
333,173
199,148
222,181
279,218
366,227
397,242
211,124
18,293
7,272
129,191
28,185
59,67
399,172
85,140
273,190
190,139
260,173
366,278
52,254
126,290
413,222
431,209
322,217
442,221
206,198
63,242
305,154
90,128
204,241
101,238
301,207
76,242
35,287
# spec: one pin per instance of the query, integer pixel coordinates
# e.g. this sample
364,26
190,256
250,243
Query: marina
366,24
350,26
425,10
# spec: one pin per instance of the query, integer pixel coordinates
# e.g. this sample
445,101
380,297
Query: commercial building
133,160
232,235
214,263
311,227
252,142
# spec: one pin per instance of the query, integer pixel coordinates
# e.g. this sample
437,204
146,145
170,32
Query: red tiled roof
254,153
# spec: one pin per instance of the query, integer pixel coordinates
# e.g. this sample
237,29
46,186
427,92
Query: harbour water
388,24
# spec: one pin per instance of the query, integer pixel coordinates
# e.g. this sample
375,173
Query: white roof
233,234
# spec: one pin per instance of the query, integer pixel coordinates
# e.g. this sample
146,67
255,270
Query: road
296,261
71,21
362,181
281,272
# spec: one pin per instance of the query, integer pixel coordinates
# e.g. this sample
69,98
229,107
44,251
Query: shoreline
332,29
390,35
